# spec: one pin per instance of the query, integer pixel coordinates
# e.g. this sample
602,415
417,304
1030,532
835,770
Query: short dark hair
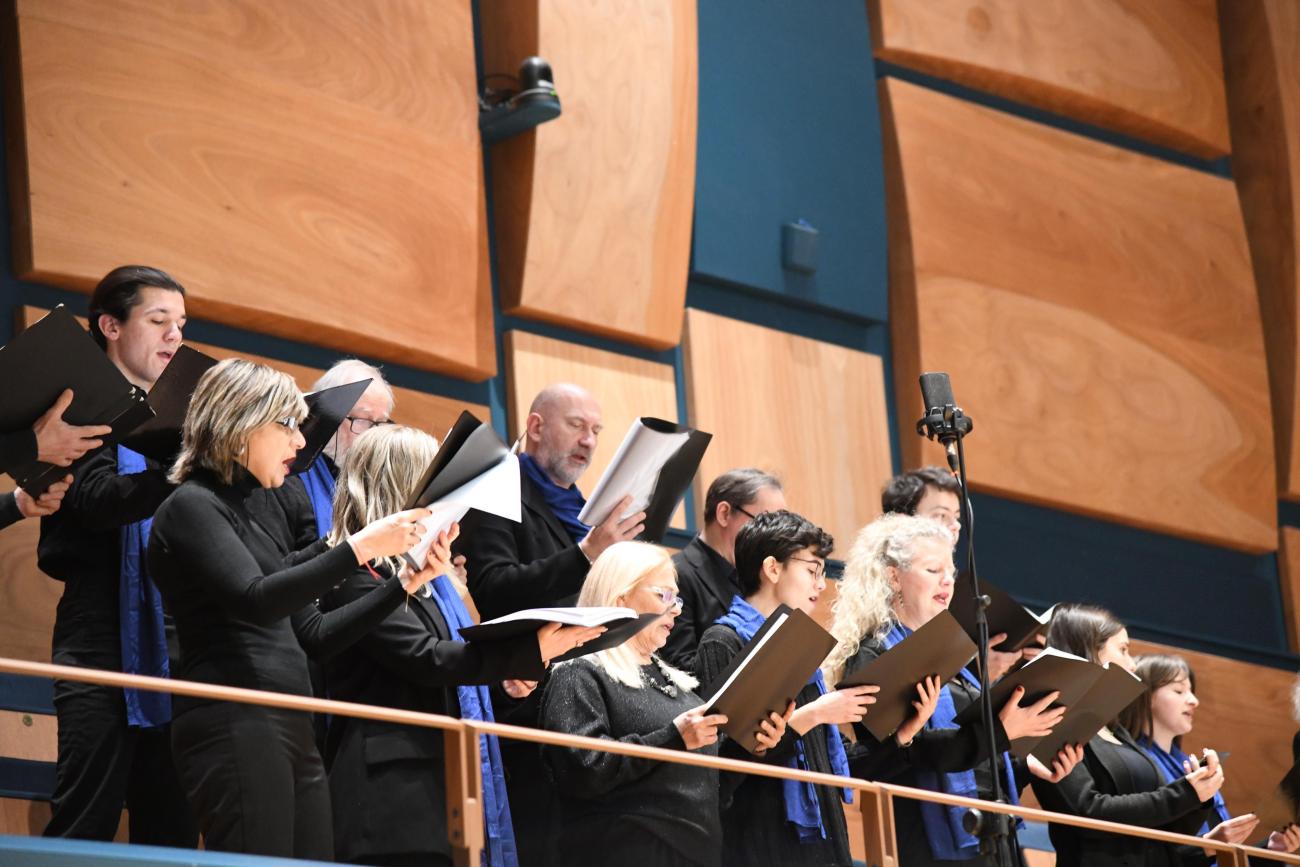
1082,629
903,493
780,534
736,488
119,291
1156,670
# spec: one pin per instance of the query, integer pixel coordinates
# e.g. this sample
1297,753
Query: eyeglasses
361,425
289,423
667,596
820,566
742,510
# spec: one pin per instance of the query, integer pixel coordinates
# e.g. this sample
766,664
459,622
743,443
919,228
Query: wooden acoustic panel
1288,556
1147,68
812,413
25,818
1246,710
313,172
593,209
1096,311
627,388
1261,48
28,597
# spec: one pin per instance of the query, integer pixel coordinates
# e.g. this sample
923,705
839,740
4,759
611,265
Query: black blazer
408,661
512,566
706,589
1102,787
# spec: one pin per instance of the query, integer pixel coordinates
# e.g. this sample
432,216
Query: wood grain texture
593,210
1096,311
626,388
1147,68
1288,556
314,173
28,597
1261,51
1246,710
812,413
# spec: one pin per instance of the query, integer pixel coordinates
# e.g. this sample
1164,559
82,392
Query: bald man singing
540,561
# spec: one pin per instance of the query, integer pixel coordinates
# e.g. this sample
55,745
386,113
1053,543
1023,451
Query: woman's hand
388,537
555,640
928,690
1031,721
697,729
1235,830
771,730
434,564
518,688
1206,781
439,555
1000,663
1286,840
1064,762
458,571
848,705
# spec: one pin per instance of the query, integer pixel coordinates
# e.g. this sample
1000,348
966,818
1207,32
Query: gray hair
354,370
736,488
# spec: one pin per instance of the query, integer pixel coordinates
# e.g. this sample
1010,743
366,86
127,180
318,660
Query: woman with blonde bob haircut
252,775
414,660
617,809
899,576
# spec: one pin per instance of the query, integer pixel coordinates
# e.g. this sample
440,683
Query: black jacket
516,565
1102,786
408,661
16,449
706,582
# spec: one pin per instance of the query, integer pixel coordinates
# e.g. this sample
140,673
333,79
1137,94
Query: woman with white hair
617,809
414,660
252,774
899,576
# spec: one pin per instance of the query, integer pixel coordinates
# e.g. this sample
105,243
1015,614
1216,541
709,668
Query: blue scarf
948,839
801,806
320,483
1170,765
565,503
476,703
140,615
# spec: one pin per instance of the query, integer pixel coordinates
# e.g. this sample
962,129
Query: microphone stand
951,429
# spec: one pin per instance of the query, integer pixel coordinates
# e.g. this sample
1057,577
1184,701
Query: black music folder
37,365
940,649
160,437
1281,806
326,410
621,624
470,449
1093,696
1004,614
768,673
655,463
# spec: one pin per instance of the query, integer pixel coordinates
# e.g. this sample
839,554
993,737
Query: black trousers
255,780
104,765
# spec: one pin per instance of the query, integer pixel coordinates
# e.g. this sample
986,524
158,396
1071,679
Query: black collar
717,574
535,501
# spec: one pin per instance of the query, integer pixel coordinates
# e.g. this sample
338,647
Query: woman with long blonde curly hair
899,576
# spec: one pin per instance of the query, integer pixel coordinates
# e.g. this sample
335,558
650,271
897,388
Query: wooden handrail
463,764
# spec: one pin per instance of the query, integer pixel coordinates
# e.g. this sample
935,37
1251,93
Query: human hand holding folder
59,443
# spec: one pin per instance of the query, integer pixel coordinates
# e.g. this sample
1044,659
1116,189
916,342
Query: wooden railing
464,781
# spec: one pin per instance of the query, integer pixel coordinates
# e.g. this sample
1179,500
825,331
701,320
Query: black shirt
16,449
706,582
80,545
601,792
9,511
240,613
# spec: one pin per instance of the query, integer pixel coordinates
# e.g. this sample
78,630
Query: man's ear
533,427
109,326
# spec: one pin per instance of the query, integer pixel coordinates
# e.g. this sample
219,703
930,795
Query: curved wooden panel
1288,556
626,388
1096,311
1261,41
593,210
1148,68
810,412
311,172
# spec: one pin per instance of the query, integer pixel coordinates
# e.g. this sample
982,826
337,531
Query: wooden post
877,808
464,796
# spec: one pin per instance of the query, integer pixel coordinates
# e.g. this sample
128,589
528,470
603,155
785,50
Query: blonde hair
863,610
616,574
377,478
233,398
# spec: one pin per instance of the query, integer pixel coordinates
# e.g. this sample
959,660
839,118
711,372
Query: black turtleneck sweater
240,613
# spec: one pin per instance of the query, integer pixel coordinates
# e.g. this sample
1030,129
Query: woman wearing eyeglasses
781,560
253,776
617,809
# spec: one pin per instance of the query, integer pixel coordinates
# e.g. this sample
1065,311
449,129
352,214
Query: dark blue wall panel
788,130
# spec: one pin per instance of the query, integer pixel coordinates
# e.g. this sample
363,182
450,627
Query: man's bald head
561,431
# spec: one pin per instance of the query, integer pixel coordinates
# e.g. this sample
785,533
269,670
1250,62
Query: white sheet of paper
634,470
495,492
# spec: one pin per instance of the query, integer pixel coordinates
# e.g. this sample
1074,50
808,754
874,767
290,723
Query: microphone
943,419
